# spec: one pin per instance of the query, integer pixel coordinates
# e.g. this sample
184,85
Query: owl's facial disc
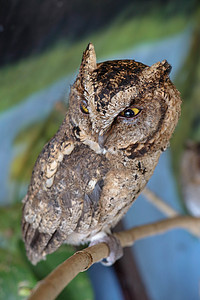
120,97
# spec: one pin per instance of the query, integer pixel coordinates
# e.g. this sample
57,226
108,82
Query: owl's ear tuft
88,63
162,67
166,67
158,70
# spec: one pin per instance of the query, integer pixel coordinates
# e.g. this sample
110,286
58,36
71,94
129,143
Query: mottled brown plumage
120,119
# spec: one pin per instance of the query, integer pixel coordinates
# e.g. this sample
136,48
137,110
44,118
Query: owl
121,116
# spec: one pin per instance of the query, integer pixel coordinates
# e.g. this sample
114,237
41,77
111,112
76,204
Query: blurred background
41,45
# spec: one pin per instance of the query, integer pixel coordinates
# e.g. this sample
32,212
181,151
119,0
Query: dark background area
28,28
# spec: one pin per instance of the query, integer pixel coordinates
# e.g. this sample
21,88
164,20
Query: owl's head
124,105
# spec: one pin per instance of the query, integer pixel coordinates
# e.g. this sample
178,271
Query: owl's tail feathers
39,244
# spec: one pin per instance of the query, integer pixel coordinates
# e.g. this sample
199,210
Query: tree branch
55,282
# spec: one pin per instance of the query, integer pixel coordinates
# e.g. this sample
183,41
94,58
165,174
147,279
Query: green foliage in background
18,276
16,279
187,82
32,139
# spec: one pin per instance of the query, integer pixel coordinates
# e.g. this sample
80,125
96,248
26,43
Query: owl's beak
101,140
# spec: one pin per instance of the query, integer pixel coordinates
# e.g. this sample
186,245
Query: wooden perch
57,280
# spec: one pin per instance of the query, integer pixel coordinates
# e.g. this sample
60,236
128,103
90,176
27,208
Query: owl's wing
46,225
40,228
43,227
70,205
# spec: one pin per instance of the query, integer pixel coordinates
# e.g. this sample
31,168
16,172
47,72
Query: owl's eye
130,112
83,107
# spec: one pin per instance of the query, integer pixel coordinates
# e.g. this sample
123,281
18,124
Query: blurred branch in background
166,209
159,204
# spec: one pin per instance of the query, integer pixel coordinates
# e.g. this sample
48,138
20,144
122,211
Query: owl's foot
116,250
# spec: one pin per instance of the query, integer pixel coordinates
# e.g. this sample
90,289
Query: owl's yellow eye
83,107
130,112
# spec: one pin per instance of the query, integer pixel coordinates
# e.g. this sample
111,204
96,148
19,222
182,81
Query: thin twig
165,208
159,203
55,282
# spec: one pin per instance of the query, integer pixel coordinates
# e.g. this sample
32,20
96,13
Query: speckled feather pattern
91,171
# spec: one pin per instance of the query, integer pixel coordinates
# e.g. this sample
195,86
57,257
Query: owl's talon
116,250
